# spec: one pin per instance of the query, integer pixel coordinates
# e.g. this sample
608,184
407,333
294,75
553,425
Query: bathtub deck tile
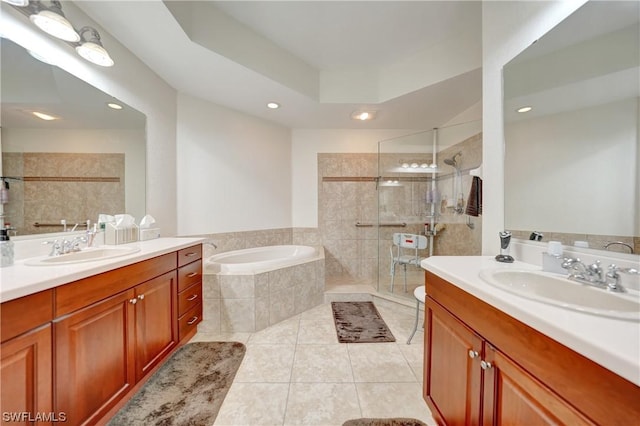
237,286
237,315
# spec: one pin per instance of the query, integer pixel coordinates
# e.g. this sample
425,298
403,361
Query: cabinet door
513,397
94,358
156,321
452,371
26,377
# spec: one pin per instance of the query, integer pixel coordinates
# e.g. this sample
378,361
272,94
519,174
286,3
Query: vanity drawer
189,321
189,298
189,275
78,294
25,313
189,254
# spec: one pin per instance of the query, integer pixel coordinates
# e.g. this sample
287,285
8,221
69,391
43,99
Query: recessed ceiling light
363,115
273,105
114,105
44,116
524,109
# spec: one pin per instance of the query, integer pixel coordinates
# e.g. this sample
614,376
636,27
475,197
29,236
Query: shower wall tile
41,199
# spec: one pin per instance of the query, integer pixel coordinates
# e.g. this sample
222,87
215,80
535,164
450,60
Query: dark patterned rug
188,389
384,422
360,322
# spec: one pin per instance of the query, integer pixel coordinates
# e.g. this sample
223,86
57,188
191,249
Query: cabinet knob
472,354
192,297
192,274
141,296
133,301
192,320
485,365
190,254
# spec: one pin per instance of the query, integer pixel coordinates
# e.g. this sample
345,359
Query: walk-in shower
419,194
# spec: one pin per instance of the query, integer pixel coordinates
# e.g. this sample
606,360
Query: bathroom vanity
492,357
78,342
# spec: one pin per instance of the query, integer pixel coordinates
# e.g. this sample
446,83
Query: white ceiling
417,63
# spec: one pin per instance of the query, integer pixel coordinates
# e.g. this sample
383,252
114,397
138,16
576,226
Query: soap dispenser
6,249
505,240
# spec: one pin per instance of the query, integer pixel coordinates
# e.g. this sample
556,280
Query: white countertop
21,280
612,343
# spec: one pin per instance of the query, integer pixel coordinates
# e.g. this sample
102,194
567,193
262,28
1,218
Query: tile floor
296,373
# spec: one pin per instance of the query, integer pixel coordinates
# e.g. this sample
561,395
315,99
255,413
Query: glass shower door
423,187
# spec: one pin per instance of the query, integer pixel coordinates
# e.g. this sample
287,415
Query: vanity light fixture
524,109
41,58
114,105
52,21
363,115
19,3
43,116
90,48
273,105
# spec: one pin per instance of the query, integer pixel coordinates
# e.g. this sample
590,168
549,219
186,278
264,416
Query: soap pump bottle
6,249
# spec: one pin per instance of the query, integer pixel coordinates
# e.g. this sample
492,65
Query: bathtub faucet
211,243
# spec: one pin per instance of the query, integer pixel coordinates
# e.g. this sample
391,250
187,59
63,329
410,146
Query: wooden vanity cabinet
189,308
95,358
77,351
484,367
102,350
26,376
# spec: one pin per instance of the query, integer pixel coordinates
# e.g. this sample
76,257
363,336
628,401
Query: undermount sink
86,255
564,293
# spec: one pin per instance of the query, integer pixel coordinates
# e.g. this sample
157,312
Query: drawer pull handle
133,301
472,353
190,254
192,297
485,365
192,274
141,296
192,320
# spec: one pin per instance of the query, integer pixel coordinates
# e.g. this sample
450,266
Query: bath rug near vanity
384,422
188,389
360,322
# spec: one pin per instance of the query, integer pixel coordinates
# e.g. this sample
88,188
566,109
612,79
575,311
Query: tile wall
352,251
55,186
249,303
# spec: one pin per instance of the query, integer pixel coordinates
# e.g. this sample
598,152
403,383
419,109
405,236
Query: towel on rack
474,204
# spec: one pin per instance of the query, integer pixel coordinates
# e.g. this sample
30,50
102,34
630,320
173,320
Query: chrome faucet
594,275
65,246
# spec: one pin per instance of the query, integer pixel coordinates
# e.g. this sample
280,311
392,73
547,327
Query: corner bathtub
259,259
251,289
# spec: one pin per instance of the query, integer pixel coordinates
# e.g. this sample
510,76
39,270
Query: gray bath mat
188,389
360,322
384,422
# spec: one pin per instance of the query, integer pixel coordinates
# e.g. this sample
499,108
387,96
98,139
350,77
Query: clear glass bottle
6,249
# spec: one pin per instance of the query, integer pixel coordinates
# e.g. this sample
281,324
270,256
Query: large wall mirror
87,161
572,161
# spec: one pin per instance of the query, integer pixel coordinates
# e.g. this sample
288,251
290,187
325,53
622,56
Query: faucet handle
56,247
612,279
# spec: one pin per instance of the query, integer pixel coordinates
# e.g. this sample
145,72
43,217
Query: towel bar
367,225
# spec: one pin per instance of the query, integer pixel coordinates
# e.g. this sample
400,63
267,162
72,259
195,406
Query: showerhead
452,161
